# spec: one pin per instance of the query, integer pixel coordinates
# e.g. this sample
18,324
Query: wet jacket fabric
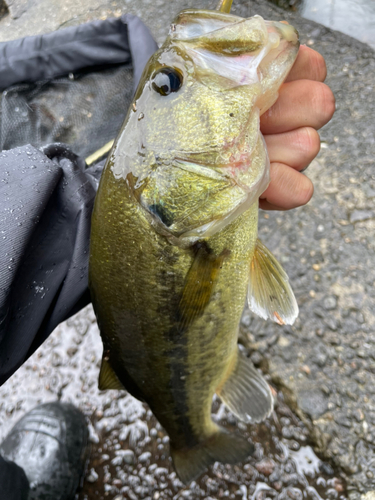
44,57
47,196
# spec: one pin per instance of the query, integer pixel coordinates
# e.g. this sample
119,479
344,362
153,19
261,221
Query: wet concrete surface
323,368
353,17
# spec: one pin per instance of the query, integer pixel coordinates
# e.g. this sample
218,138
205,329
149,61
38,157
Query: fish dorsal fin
200,282
224,6
245,392
270,295
108,378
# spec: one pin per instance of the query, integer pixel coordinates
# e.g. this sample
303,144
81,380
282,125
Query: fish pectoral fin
108,378
245,392
270,295
222,446
199,284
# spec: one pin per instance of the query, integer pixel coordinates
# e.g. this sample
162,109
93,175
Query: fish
174,251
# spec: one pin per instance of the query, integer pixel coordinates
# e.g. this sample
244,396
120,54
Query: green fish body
174,249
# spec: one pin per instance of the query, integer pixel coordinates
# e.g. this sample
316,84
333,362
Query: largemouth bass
174,248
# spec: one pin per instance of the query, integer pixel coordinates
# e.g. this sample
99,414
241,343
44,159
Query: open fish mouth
236,50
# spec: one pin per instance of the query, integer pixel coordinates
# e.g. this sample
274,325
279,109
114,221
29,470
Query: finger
296,148
288,189
309,65
302,103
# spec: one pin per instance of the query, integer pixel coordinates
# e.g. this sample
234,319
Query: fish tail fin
245,392
220,447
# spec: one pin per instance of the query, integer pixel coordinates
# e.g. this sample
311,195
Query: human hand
290,127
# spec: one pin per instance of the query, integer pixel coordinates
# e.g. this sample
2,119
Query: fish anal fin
108,378
220,447
270,295
200,282
245,392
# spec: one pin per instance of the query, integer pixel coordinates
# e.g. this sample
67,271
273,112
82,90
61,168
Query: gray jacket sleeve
46,200
44,57
46,197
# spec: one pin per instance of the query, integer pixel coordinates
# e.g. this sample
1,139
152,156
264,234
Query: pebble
360,215
93,476
330,303
265,466
144,457
128,457
326,468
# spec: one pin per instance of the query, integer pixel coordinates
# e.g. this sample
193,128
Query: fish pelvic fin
108,378
245,392
270,295
222,446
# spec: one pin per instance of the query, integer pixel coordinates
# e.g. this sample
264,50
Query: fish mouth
287,32
237,51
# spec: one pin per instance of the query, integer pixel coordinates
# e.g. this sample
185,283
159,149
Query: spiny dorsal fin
200,282
245,392
222,447
108,378
224,6
270,295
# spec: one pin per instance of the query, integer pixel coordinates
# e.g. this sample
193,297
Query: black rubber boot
13,481
50,443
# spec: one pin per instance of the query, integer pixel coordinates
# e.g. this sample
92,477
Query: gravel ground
129,449
323,368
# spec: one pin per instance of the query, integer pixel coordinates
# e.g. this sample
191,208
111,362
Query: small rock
359,215
265,467
117,460
277,485
93,476
306,369
326,468
332,323
283,341
358,415
313,402
321,359
339,486
330,302
71,351
128,457
256,358
144,457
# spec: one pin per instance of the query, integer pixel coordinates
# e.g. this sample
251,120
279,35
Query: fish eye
167,80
